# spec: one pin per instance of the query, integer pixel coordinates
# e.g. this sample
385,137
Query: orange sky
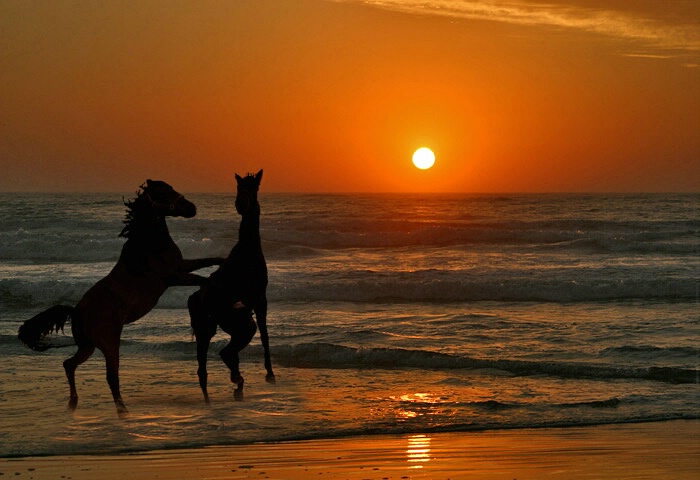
334,96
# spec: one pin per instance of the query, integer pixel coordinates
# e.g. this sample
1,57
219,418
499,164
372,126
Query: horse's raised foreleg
183,276
70,365
184,279
196,264
261,316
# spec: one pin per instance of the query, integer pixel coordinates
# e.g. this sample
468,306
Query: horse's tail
34,330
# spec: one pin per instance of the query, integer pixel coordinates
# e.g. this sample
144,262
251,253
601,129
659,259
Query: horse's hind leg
112,361
204,330
203,340
70,365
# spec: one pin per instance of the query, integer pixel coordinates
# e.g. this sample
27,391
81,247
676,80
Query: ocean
389,313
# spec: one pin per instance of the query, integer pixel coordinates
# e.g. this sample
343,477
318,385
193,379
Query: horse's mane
134,208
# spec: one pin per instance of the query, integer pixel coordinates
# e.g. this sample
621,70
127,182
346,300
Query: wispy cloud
651,32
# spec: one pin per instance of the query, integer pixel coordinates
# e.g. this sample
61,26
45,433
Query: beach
669,450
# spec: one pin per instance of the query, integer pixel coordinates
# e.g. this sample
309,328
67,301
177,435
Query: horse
149,263
233,292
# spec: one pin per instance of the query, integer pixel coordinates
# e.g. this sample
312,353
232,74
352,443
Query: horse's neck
249,231
152,232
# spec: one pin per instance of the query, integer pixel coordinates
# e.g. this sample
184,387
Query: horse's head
165,201
247,194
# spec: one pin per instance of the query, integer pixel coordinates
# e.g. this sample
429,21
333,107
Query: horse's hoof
270,378
121,408
205,393
238,393
73,403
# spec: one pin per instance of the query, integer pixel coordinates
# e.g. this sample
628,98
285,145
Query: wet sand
629,451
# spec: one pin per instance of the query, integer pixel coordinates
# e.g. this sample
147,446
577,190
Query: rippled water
388,313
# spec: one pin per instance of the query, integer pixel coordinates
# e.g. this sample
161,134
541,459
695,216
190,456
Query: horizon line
281,192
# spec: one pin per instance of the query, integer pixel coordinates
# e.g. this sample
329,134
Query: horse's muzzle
186,209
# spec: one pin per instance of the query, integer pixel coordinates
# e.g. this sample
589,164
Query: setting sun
423,158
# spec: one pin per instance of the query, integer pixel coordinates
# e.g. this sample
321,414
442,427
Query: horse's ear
238,178
258,176
148,182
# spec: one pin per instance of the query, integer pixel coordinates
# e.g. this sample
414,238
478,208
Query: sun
423,158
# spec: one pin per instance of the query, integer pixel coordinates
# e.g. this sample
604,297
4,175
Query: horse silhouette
149,263
234,291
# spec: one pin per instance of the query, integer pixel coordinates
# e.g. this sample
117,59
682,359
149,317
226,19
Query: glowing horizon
334,95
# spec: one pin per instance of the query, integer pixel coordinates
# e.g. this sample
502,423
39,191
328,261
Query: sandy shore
634,451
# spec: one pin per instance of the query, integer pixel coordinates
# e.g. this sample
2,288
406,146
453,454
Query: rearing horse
149,263
234,291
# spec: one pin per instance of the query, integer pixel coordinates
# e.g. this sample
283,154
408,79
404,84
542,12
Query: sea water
388,314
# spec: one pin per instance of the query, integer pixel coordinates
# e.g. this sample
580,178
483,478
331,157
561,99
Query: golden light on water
418,450
413,405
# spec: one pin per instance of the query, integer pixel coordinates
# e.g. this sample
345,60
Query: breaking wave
333,356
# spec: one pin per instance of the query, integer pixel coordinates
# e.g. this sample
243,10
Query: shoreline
669,449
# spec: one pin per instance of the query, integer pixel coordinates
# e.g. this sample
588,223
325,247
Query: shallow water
388,314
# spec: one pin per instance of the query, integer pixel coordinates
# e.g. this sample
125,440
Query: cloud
651,32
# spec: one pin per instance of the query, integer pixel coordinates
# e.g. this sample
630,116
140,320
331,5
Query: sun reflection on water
416,404
418,450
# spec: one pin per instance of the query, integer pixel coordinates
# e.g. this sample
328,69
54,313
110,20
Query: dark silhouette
234,291
149,263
